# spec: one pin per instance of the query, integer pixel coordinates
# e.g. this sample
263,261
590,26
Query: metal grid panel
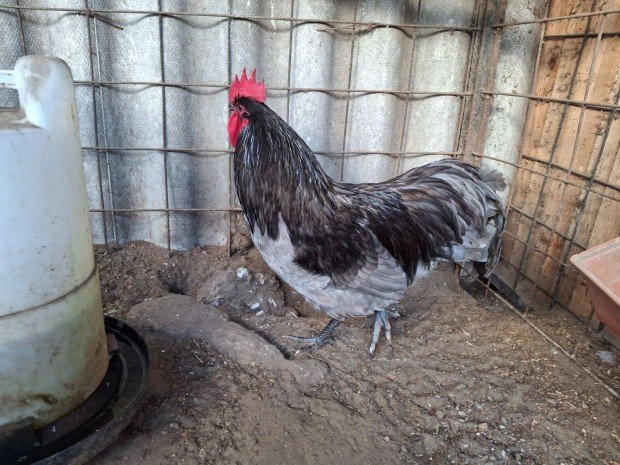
546,232
153,76
566,194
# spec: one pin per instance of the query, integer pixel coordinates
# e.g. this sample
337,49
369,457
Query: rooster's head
240,89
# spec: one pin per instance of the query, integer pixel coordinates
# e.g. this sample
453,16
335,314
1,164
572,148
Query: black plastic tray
92,426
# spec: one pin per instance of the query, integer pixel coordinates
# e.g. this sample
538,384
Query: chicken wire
374,87
356,79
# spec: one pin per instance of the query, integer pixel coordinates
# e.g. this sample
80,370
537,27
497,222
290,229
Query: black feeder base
84,432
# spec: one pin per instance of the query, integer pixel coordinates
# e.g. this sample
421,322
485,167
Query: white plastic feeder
53,351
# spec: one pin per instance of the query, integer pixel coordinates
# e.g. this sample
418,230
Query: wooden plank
602,89
608,169
607,223
560,202
565,8
527,185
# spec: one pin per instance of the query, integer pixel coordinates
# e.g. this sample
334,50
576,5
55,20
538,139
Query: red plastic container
601,267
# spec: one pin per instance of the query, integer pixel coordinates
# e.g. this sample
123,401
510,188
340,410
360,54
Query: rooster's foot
318,340
382,320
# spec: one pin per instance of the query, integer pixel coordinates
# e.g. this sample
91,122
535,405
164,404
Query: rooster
353,249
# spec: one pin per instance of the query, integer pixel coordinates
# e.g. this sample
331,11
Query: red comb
245,87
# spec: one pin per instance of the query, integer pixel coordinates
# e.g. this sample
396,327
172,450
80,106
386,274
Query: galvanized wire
349,27
557,18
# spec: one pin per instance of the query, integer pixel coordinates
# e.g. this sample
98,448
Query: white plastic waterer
53,351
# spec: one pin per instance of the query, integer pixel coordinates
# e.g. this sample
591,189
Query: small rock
483,427
242,272
292,313
606,357
432,443
254,306
440,414
260,313
386,439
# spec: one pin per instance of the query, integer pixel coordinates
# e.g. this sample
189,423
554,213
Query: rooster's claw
382,320
317,341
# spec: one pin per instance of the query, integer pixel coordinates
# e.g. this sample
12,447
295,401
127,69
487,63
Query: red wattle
235,125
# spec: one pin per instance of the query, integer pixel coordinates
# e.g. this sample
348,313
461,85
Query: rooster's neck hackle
276,173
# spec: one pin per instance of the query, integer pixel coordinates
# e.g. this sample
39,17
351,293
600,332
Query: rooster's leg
318,340
382,320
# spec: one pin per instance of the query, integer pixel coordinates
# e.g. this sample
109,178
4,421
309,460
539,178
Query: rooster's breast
376,282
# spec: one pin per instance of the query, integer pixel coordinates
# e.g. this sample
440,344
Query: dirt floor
464,381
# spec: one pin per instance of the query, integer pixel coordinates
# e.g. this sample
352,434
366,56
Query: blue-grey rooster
353,249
